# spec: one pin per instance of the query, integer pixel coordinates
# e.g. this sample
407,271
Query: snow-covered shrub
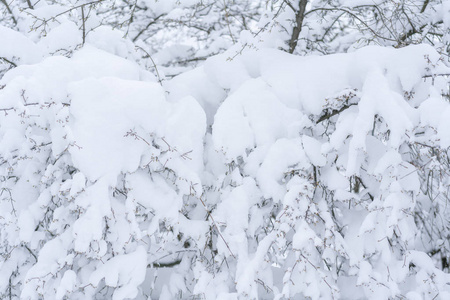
85,142
320,156
258,175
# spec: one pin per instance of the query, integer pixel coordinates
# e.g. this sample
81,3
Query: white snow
259,174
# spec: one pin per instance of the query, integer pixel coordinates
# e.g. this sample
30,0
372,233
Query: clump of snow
17,48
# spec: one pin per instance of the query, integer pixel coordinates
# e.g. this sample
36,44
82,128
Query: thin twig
218,230
153,62
354,16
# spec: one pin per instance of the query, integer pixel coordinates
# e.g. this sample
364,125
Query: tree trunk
299,16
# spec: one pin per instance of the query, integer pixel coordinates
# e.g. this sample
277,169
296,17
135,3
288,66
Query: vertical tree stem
83,24
299,17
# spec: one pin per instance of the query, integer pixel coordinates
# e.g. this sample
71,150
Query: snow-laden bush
85,141
259,175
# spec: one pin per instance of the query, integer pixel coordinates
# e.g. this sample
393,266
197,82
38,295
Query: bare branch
9,11
8,61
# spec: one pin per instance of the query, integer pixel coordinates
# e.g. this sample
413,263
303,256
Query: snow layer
280,169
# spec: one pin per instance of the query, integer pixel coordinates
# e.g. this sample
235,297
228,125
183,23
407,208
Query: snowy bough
259,175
